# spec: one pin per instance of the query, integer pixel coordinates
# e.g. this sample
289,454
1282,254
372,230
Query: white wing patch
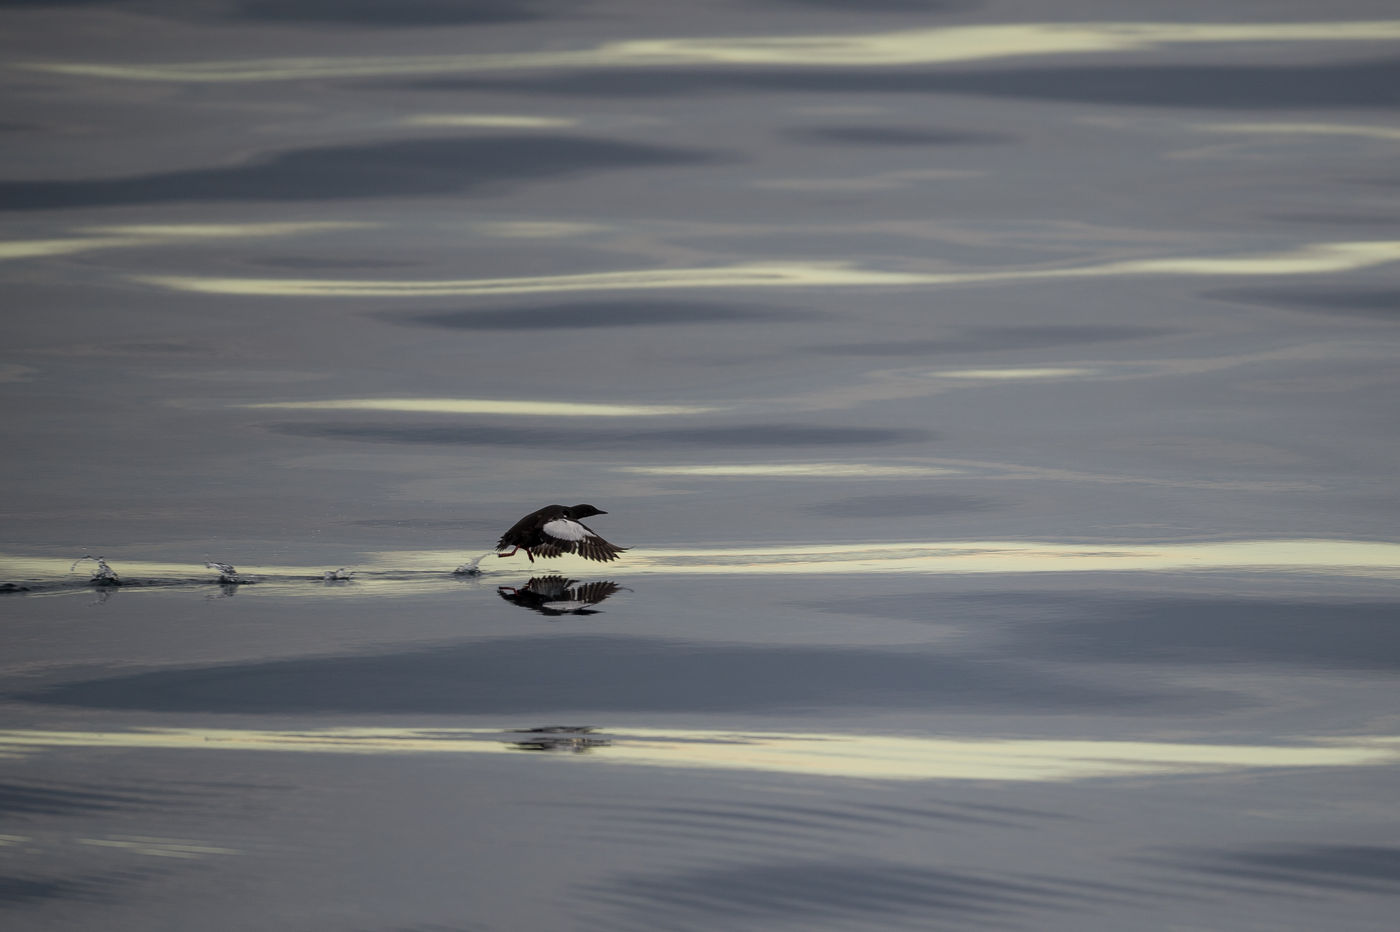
564,529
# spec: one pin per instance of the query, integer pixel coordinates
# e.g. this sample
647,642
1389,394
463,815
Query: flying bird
556,529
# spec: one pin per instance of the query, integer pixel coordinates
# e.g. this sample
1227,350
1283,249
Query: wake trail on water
103,575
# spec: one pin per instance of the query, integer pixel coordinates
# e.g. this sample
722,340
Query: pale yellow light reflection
983,470
1312,259
1023,760
400,571
487,120
871,757
1327,557
884,181
1012,375
56,570
485,406
791,471
1302,129
746,275
919,382
1379,559
35,248
113,237
869,50
13,372
540,229
158,847
224,230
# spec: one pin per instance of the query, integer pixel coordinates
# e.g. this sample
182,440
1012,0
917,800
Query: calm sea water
998,400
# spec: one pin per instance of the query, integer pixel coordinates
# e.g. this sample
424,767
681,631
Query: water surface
998,403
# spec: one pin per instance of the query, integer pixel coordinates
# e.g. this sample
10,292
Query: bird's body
556,529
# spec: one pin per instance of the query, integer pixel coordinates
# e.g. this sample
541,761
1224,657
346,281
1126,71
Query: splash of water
104,575
339,575
227,574
471,568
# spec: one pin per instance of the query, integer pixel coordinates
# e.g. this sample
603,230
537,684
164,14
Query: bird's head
585,511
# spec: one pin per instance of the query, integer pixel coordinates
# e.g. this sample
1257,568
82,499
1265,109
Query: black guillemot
556,529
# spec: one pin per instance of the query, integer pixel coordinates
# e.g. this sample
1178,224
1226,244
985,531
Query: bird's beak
602,512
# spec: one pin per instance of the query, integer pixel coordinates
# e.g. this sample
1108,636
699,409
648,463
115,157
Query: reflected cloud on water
909,505
879,181
842,52
746,275
857,135
862,890
23,799
1292,868
1000,339
22,889
47,577
1328,557
792,471
1202,632
508,407
1302,129
1379,303
1309,259
643,674
164,234
593,314
406,571
400,13
159,847
1015,375
487,120
748,435
402,168
850,756
1290,86
879,385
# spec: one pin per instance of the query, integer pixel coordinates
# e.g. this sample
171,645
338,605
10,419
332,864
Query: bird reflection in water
576,738
227,590
558,595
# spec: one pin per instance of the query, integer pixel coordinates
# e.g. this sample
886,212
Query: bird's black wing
594,547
